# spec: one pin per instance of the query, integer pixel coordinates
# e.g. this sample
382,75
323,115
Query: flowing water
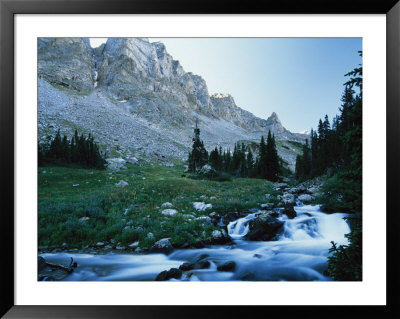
300,254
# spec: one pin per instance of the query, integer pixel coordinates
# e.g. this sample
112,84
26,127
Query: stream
299,254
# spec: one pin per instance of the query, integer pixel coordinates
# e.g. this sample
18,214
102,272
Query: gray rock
162,246
169,212
288,198
305,198
267,205
201,206
132,160
134,245
116,163
66,62
122,184
205,219
150,236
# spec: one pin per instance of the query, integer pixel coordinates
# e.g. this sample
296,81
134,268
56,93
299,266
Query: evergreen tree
262,159
303,163
215,159
272,159
199,156
79,151
250,164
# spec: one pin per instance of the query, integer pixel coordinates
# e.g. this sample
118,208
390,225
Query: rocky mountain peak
274,124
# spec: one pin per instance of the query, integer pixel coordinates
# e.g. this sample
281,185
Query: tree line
241,162
78,151
337,149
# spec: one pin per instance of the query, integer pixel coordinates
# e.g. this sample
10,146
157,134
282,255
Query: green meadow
81,207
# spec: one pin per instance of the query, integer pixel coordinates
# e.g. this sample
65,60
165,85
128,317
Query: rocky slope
136,99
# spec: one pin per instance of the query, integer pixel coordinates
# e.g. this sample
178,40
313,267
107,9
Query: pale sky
301,79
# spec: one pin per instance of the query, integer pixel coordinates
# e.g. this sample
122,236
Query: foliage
79,151
345,262
239,163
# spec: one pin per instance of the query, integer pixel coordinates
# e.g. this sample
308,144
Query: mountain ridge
144,80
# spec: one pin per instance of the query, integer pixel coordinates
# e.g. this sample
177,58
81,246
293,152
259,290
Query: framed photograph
158,156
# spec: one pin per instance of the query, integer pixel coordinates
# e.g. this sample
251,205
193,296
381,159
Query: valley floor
84,209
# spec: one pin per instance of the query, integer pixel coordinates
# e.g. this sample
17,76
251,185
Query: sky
301,79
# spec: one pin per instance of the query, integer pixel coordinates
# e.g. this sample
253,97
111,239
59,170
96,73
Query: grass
128,214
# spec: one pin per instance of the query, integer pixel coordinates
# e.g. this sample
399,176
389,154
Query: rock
169,165
267,205
41,263
213,198
217,234
264,227
207,170
66,62
228,266
84,219
200,263
150,236
305,198
199,244
122,184
120,247
219,237
134,245
162,246
116,163
281,185
289,211
64,246
205,219
312,190
201,206
166,204
166,275
288,198
132,160
169,212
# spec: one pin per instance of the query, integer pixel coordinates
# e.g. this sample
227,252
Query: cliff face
66,62
144,76
139,80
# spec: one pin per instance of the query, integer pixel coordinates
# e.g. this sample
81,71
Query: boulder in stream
227,266
264,227
289,211
167,275
162,246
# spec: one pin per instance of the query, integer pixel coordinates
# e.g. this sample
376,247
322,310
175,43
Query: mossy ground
65,195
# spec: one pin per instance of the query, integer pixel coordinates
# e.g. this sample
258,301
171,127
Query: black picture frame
9,8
